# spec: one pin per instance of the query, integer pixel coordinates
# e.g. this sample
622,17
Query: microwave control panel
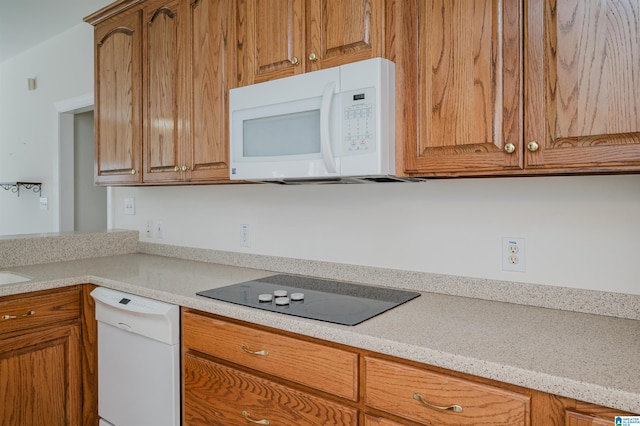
358,122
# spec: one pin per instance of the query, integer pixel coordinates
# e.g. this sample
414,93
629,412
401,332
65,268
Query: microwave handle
325,136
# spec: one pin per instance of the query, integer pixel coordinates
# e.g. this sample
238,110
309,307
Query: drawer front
328,369
578,419
35,311
378,421
214,394
397,389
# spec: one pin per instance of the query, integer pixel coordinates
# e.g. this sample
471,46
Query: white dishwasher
138,360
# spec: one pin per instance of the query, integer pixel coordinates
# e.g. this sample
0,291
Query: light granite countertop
589,357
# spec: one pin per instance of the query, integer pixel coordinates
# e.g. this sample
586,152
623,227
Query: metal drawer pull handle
249,419
249,351
28,314
454,408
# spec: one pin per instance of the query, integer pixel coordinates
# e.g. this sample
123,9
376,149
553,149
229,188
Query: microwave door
325,132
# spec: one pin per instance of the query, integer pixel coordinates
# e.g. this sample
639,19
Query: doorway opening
83,207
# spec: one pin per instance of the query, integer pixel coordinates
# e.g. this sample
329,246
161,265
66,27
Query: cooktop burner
324,300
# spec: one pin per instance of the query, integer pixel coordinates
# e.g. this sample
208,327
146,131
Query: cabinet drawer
378,421
394,387
35,311
328,369
216,394
578,419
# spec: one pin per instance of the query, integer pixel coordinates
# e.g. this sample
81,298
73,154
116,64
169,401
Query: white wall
581,231
63,67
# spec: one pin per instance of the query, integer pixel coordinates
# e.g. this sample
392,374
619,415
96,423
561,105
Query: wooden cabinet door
459,90
577,419
583,84
220,395
270,39
340,32
118,92
206,150
286,37
164,65
40,378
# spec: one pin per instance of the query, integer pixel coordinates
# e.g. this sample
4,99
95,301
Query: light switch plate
130,205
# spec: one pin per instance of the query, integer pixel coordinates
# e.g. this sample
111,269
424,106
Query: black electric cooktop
324,300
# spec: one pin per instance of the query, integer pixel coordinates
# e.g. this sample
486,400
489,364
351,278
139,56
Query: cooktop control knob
297,296
282,301
280,293
265,297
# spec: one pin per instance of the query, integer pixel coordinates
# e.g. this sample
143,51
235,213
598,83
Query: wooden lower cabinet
40,378
378,421
432,398
236,373
578,419
215,394
47,372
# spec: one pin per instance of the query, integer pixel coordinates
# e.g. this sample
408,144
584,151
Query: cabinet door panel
273,36
467,86
341,32
118,100
578,419
40,378
212,71
215,394
162,63
583,97
415,394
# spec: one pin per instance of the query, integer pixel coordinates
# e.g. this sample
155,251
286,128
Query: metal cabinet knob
509,148
134,171
176,169
533,146
313,57
295,60
184,168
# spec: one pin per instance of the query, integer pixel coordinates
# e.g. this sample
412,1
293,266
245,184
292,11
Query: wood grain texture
341,32
467,85
162,84
390,387
40,378
378,421
57,307
89,356
212,75
118,100
288,358
271,33
217,395
578,419
583,96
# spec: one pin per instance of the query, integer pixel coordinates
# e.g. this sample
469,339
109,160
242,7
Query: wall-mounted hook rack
15,187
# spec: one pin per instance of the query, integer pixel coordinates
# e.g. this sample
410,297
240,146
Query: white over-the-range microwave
332,125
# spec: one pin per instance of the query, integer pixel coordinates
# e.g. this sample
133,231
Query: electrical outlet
129,205
44,203
245,236
149,230
513,254
159,229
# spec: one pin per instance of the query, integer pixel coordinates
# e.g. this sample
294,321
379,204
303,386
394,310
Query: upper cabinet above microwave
281,38
488,92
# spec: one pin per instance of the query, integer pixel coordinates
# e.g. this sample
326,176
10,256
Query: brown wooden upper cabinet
182,74
280,38
510,87
118,99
